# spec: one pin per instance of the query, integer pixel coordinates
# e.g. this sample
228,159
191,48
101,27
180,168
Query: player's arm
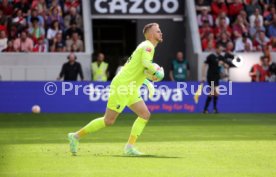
150,87
80,72
171,73
147,61
147,54
62,72
204,69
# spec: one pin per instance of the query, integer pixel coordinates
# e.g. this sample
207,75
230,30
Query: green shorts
121,96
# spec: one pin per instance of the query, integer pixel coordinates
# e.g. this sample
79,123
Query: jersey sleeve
147,56
207,61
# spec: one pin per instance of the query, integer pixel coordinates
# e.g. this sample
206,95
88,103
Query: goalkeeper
131,77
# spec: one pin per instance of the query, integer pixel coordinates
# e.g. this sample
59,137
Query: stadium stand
249,24
43,21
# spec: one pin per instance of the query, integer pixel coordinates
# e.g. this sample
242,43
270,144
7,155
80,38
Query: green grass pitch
178,145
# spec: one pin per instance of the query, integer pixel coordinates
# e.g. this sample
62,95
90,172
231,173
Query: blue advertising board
80,97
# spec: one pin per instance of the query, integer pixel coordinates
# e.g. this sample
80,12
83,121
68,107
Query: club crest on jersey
148,49
118,106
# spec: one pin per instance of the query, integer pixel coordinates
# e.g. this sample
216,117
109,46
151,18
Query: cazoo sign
137,7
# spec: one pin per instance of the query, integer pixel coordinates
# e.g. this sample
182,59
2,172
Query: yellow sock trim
137,129
93,126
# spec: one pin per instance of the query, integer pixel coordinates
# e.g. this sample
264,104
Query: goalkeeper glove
159,74
151,88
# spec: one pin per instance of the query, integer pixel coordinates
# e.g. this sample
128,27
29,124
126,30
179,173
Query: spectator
7,8
256,29
218,6
229,47
258,15
53,30
239,27
35,30
24,5
209,42
10,47
58,44
234,9
223,39
272,44
243,14
261,41
75,43
222,15
210,47
260,71
73,28
73,16
268,16
205,30
3,40
23,43
13,32
204,16
3,20
19,20
55,4
251,6
55,16
40,6
243,44
40,46
71,3
223,28
267,53
34,14
272,28
71,69
99,69
180,68
272,71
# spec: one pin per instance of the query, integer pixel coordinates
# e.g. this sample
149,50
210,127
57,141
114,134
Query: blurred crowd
238,25
41,26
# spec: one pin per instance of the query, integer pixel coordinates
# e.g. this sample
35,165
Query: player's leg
95,125
209,98
138,126
216,94
115,105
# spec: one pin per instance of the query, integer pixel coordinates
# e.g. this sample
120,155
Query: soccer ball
36,109
151,75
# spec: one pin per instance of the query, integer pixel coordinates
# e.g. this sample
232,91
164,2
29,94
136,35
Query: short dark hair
264,57
148,26
218,46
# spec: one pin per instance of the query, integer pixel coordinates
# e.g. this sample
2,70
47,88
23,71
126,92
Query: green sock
93,126
137,129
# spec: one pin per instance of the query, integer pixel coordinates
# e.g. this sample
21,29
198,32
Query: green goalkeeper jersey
133,70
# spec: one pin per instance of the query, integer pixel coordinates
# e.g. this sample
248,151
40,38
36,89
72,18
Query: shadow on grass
142,156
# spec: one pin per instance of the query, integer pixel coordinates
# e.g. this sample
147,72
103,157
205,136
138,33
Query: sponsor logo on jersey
148,49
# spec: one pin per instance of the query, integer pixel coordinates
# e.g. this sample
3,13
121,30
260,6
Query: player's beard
159,40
